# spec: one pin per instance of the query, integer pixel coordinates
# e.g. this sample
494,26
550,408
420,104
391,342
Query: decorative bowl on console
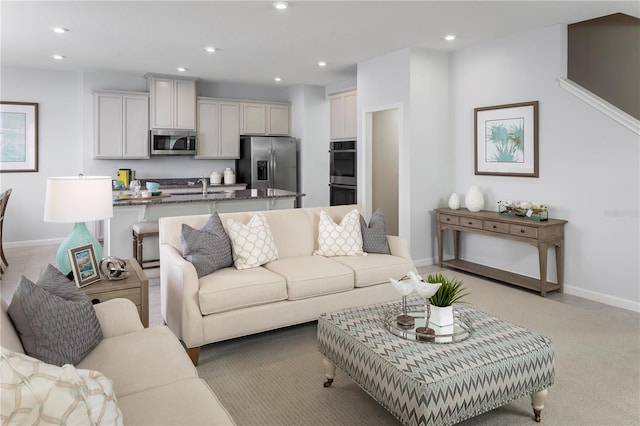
524,209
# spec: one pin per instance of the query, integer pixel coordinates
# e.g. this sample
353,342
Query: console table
542,235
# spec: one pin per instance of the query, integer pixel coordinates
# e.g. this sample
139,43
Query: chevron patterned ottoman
441,384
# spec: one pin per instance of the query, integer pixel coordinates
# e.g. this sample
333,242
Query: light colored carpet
276,378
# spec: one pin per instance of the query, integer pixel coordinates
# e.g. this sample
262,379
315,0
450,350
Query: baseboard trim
602,298
594,296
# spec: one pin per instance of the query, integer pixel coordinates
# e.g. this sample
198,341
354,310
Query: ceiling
255,41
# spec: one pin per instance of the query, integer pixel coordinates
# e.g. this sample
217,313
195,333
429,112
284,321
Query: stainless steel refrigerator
268,162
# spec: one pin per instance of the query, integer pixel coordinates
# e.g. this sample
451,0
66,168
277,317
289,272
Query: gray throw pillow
207,248
55,319
374,236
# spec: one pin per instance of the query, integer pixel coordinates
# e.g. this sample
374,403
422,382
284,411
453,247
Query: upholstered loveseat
153,380
296,288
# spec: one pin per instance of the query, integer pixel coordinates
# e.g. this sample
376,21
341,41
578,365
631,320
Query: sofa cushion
376,268
252,242
302,242
140,360
231,288
309,276
54,318
185,402
344,239
208,248
374,235
35,392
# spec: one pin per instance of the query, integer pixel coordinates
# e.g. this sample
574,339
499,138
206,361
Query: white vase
474,201
441,315
454,201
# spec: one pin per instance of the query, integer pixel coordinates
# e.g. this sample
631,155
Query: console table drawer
496,226
471,222
524,231
452,220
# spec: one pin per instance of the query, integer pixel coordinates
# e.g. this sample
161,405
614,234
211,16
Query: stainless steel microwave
172,142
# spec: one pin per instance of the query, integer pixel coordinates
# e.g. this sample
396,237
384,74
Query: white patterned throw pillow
252,243
344,239
34,392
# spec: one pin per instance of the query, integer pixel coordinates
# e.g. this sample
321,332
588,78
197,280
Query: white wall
416,82
588,167
310,124
59,148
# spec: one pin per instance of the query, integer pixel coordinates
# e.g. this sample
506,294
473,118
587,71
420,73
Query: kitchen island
128,210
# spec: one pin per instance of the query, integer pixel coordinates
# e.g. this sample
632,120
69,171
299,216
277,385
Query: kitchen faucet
204,185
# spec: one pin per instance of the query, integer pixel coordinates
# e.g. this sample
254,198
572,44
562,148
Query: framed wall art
506,140
18,137
84,265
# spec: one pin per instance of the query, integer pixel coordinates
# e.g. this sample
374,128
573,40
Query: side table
135,288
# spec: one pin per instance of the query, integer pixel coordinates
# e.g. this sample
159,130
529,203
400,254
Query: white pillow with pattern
344,239
34,392
252,244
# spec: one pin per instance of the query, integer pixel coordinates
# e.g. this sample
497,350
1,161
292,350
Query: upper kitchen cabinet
121,124
265,119
173,102
344,115
218,129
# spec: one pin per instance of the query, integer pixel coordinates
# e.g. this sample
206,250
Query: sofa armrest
118,316
179,299
399,246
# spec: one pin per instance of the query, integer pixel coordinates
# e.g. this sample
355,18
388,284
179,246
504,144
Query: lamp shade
78,199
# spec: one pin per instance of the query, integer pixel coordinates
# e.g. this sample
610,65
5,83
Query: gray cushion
54,318
374,236
208,248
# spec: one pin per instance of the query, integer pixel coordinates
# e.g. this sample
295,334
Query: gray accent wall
604,58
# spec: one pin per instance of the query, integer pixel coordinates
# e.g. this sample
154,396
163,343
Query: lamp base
80,236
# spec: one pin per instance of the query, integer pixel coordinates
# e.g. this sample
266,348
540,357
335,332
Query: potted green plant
451,291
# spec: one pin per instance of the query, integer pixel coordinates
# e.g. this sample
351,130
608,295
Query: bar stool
141,230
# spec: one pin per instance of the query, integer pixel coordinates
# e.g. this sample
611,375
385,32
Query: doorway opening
383,135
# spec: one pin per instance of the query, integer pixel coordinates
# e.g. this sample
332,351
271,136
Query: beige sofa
296,288
154,381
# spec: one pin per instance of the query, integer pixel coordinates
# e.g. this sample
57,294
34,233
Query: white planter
454,201
474,201
441,316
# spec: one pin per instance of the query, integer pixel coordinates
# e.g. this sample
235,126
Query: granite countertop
222,195
181,183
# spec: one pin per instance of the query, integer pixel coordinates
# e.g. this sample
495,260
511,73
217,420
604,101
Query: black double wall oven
343,178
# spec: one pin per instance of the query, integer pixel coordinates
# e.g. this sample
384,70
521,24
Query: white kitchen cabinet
218,129
121,124
173,103
278,120
265,119
344,116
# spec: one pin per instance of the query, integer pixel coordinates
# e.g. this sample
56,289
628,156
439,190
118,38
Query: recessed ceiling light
182,69
210,49
281,5
59,30
322,64
278,79
57,57
450,37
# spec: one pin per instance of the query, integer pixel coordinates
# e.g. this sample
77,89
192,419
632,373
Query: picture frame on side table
506,140
19,137
84,265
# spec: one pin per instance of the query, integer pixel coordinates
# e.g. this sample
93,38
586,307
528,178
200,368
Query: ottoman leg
537,402
329,372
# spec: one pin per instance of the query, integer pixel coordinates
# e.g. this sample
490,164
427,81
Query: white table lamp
77,199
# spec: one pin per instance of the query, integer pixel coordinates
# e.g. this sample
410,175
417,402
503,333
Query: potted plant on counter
451,291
